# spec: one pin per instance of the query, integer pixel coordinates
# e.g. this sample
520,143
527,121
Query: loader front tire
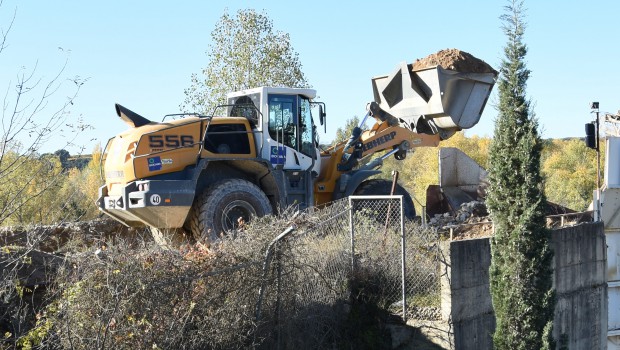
375,187
225,207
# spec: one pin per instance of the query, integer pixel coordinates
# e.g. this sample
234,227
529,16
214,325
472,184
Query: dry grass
112,293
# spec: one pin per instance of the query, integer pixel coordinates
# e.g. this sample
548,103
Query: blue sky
141,53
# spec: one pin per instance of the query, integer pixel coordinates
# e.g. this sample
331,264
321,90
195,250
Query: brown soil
473,230
454,59
56,236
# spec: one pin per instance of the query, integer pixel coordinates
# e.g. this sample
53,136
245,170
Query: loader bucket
451,100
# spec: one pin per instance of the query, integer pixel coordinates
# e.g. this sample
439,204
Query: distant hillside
79,162
71,162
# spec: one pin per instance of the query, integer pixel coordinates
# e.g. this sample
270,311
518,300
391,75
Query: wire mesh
377,241
423,273
353,248
308,285
310,273
350,249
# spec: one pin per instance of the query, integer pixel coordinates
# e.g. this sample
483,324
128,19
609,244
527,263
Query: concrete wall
579,279
465,295
581,286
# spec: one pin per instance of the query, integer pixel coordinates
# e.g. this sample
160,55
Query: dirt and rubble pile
52,238
454,59
32,253
468,213
470,220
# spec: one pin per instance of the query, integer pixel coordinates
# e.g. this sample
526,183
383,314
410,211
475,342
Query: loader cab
285,135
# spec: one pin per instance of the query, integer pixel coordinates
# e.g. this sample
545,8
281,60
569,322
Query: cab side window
307,135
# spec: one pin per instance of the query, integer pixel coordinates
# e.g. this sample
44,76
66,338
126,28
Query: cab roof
309,93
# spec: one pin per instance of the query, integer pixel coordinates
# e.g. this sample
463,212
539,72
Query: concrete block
475,334
478,301
470,262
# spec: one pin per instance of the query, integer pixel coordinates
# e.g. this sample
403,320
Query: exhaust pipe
131,118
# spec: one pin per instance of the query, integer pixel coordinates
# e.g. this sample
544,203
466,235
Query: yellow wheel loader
211,174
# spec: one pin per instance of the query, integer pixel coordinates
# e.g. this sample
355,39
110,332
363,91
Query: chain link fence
307,270
358,248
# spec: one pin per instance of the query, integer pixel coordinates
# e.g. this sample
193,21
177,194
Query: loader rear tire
376,187
225,206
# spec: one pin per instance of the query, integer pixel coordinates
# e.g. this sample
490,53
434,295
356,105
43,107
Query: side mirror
322,116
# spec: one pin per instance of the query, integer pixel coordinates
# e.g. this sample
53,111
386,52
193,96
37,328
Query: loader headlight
143,186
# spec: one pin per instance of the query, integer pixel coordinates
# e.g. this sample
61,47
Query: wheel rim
235,213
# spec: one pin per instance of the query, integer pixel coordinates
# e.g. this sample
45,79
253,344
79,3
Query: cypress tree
520,273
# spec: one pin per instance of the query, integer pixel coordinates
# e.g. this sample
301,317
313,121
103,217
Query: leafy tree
520,272
28,187
343,133
63,155
476,147
570,173
81,189
246,52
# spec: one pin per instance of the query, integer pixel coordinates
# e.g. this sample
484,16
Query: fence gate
400,261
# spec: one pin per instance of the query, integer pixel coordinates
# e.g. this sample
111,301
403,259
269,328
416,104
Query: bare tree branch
4,33
33,113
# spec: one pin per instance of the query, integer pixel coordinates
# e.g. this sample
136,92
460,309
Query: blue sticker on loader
278,155
154,163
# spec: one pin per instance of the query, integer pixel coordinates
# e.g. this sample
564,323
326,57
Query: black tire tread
206,203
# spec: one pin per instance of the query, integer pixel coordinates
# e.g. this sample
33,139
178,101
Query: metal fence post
278,294
404,258
266,264
351,230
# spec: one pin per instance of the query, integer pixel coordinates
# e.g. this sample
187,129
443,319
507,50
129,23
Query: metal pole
352,234
266,264
278,296
403,251
389,211
598,168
